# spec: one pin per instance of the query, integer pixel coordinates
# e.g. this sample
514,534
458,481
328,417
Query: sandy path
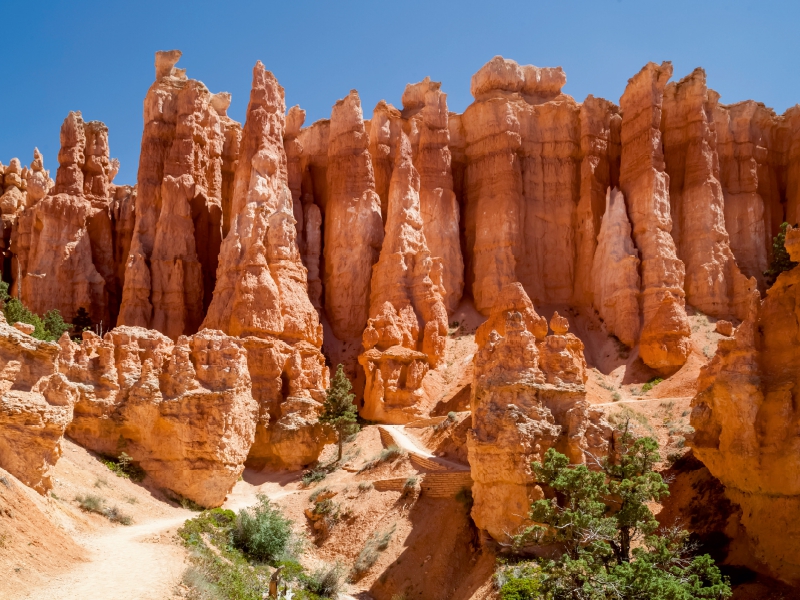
125,564
412,446
130,563
638,401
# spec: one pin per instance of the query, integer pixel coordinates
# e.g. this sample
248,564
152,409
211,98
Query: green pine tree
611,542
81,322
781,261
338,411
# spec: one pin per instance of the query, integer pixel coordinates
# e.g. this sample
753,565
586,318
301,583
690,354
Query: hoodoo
495,284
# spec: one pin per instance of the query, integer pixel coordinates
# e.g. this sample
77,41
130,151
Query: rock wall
745,416
172,264
528,396
352,221
714,284
67,243
36,404
142,394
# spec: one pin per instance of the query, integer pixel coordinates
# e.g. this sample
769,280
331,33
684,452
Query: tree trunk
341,441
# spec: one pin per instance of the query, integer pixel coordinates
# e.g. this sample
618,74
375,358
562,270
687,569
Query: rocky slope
248,260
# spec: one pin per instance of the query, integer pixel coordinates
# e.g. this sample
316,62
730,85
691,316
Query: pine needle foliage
338,410
781,261
612,544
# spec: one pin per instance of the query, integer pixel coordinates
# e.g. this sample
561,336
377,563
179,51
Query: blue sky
97,57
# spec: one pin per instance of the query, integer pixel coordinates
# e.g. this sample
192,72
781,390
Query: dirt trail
126,563
413,447
142,562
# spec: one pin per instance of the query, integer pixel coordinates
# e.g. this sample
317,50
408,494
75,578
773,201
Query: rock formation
749,159
746,416
142,394
615,272
65,242
172,264
714,284
353,225
425,106
36,404
261,292
664,342
600,148
527,397
406,332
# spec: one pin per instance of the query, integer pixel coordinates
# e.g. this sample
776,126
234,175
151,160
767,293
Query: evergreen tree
338,411
81,322
781,261
595,516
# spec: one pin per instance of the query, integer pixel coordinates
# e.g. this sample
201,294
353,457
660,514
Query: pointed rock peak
347,115
383,107
658,73
559,324
165,63
267,91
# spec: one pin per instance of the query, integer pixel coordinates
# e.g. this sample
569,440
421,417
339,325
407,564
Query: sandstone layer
528,396
144,395
745,415
36,404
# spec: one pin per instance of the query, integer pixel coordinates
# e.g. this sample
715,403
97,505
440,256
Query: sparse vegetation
375,544
222,569
616,397
325,581
781,261
81,322
4,537
365,486
5,481
518,582
100,482
97,504
391,453
49,327
464,496
651,384
338,410
123,466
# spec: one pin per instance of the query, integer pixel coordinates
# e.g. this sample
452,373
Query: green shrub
781,261
365,486
375,544
314,475
651,384
123,466
262,531
464,496
520,589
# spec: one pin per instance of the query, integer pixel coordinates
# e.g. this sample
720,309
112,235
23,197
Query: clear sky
97,57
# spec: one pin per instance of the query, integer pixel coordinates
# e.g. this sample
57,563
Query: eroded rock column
664,342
